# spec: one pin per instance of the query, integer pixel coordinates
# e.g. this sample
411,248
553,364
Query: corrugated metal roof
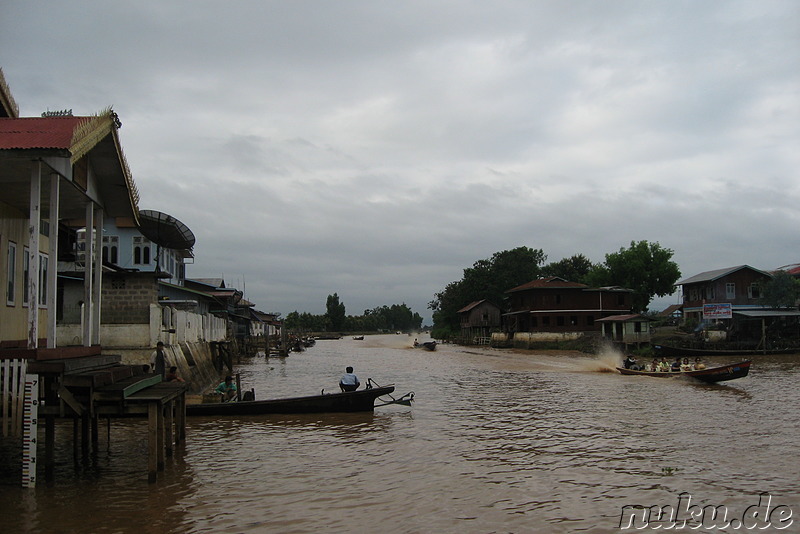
471,305
709,276
38,132
767,313
623,318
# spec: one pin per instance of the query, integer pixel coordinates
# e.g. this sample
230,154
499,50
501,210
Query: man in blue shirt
349,381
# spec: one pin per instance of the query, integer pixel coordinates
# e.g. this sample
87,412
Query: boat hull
713,374
353,401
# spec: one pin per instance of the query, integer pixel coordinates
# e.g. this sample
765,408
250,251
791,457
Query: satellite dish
165,230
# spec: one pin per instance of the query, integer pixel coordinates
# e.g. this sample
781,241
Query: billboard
717,311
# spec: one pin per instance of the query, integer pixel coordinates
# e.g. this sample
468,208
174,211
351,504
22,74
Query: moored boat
353,401
711,374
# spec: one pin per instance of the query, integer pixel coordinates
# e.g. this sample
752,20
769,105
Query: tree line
646,268
397,317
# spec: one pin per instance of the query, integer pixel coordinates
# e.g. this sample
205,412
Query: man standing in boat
349,381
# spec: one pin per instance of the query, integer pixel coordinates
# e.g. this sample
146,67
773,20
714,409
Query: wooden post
160,437
284,343
49,448
85,435
95,433
75,439
168,422
180,409
152,441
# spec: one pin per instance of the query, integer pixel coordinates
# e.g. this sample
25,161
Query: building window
710,293
637,327
43,267
141,250
26,269
11,272
754,291
730,290
560,320
573,320
546,321
111,249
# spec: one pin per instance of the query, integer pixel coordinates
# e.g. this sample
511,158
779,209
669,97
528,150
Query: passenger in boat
698,365
349,381
663,366
630,363
172,376
227,389
655,366
676,365
685,365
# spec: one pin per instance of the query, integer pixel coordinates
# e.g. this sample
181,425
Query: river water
496,441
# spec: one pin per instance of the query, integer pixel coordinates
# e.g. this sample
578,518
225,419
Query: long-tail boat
352,401
711,374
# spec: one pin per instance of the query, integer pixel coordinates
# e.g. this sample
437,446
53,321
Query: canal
496,441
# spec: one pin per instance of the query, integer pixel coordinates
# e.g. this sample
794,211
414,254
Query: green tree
574,269
644,267
292,321
487,279
335,312
783,291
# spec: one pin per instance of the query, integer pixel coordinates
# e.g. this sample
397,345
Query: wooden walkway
87,387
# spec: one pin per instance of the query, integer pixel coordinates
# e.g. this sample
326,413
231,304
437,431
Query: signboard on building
717,311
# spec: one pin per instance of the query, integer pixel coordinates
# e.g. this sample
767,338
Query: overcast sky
375,149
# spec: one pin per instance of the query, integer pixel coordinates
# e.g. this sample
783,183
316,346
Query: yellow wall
14,319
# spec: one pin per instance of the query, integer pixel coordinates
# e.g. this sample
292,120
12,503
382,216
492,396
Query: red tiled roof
38,132
551,282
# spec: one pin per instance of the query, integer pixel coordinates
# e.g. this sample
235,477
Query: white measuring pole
30,430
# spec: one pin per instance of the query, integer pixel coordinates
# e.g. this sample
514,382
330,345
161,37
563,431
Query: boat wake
606,361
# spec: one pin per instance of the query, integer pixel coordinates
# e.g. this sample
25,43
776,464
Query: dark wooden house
557,305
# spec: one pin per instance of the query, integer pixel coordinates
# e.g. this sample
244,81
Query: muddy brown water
496,441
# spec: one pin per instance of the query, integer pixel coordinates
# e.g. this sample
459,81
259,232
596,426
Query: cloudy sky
377,148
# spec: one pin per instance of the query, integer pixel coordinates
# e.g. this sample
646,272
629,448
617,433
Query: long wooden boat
712,374
427,345
353,401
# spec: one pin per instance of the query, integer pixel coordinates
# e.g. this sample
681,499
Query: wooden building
626,329
478,320
734,288
558,306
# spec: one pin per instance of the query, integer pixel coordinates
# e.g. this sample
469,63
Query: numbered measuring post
30,430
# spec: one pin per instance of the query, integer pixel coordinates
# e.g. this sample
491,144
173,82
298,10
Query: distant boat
362,400
712,374
427,345
358,338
